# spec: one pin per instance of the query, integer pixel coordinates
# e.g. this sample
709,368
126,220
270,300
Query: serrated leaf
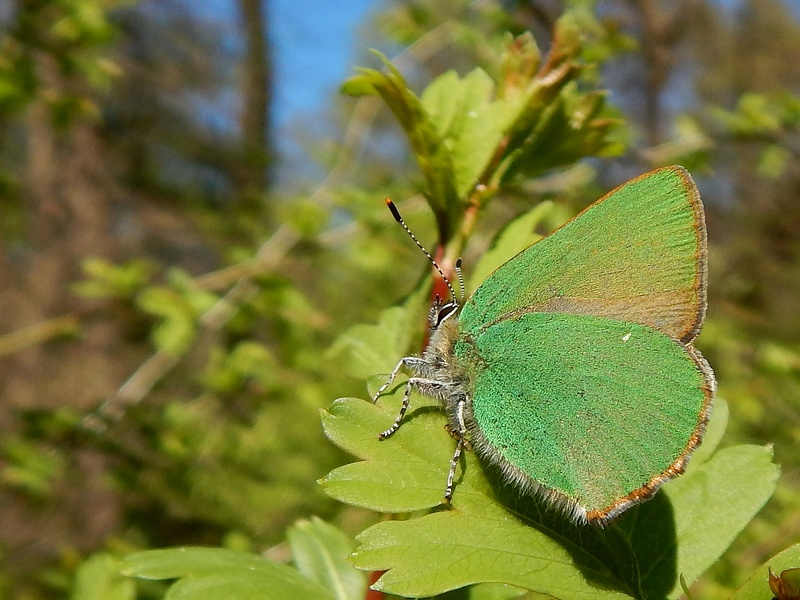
320,552
757,586
489,547
470,120
492,534
218,573
391,478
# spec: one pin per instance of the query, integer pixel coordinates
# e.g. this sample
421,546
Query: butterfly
571,368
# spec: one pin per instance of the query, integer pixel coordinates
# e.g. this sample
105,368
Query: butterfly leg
460,435
426,386
411,362
403,408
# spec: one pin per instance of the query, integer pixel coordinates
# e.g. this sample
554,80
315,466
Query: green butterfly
571,368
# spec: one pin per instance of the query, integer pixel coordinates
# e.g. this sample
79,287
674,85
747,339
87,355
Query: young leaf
320,552
471,121
98,578
427,144
217,574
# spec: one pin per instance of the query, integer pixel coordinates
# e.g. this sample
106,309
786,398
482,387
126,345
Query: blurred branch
38,333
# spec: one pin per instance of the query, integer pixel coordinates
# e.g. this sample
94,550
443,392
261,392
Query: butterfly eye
445,312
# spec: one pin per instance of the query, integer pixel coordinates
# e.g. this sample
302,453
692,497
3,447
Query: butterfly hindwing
590,411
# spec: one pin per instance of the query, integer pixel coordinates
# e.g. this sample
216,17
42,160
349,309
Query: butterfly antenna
399,219
460,279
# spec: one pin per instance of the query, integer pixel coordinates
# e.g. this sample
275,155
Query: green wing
638,254
592,412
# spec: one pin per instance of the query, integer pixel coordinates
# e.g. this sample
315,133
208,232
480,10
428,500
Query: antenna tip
395,212
458,263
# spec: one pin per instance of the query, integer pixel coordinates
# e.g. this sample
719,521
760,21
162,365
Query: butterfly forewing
638,254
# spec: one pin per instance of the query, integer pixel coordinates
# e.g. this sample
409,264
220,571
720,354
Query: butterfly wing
638,254
594,413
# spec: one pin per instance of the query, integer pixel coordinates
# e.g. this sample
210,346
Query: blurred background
191,216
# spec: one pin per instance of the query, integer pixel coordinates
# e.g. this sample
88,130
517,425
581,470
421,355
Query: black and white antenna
399,219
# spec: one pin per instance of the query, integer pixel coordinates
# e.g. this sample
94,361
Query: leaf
218,573
492,534
470,120
98,578
699,533
485,541
496,591
430,150
176,328
321,552
757,586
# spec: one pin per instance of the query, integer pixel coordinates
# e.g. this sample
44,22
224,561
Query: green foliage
320,551
773,119
107,280
513,239
472,136
756,587
75,36
354,350
321,570
216,573
98,578
28,467
177,308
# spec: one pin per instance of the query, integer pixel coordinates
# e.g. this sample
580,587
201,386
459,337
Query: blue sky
314,47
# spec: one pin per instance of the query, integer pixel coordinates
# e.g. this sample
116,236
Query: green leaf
470,120
705,534
700,536
176,327
492,534
98,578
757,586
496,591
429,148
773,161
217,574
321,552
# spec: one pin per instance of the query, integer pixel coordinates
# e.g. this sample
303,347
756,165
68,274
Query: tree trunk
256,93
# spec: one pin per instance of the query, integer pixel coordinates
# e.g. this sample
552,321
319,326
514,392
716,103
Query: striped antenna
399,219
460,279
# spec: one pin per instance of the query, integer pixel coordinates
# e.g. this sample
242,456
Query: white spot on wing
626,337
